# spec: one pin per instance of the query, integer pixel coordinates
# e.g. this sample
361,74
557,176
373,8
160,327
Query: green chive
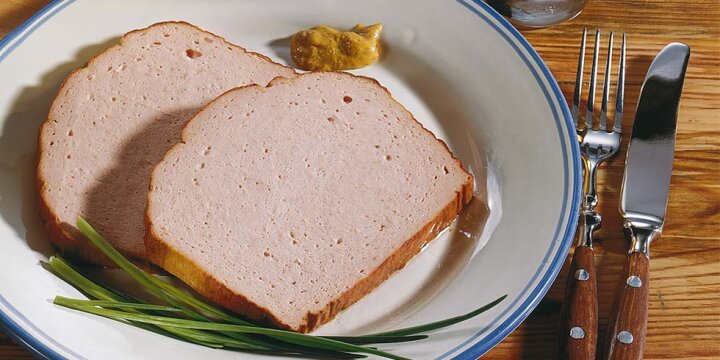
292,337
151,283
364,340
199,304
121,305
135,272
73,277
442,323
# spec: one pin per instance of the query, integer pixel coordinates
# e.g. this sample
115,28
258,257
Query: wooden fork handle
577,339
628,320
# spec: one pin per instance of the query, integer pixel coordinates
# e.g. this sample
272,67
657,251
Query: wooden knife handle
577,339
628,320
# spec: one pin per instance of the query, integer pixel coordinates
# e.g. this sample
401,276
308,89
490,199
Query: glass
538,13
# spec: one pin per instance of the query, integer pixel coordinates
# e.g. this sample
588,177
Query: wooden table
684,318
685,268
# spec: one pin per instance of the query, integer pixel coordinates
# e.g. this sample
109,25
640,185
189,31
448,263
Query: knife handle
628,320
577,339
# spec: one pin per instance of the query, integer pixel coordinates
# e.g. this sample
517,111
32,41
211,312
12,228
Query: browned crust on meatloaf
65,237
166,256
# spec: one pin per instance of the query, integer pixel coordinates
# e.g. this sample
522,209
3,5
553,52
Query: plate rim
39,349
567,234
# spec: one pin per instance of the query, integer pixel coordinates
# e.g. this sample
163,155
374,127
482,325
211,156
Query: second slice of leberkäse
114,119
290,202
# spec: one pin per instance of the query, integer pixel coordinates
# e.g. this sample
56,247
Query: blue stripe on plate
31,25
508,32
19,333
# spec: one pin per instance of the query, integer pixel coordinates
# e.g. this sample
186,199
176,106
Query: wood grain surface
684,310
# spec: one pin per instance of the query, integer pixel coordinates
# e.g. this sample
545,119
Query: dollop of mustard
324,48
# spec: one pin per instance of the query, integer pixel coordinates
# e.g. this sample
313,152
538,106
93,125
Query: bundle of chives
188,318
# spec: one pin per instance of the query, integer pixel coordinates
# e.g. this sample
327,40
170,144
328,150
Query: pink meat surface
289,203
113,120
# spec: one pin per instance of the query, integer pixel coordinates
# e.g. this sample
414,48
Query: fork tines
619,97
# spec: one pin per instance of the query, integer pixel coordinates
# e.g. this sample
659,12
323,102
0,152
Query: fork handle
577,339
628,320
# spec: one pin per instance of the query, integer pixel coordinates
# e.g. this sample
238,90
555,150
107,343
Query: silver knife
644,194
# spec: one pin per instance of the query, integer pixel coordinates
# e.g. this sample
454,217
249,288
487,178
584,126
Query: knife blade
644,195
648,165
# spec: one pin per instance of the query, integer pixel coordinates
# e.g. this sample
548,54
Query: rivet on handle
625,337
635,282
577,332
582,274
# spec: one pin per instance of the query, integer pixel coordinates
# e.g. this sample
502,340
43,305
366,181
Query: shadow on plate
18,144
119,193
281,48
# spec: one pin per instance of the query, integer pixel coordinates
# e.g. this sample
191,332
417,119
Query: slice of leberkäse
290,202
113,120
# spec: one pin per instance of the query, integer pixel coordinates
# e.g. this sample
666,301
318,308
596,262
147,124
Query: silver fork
579,320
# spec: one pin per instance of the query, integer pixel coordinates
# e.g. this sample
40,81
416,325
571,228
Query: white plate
459,67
